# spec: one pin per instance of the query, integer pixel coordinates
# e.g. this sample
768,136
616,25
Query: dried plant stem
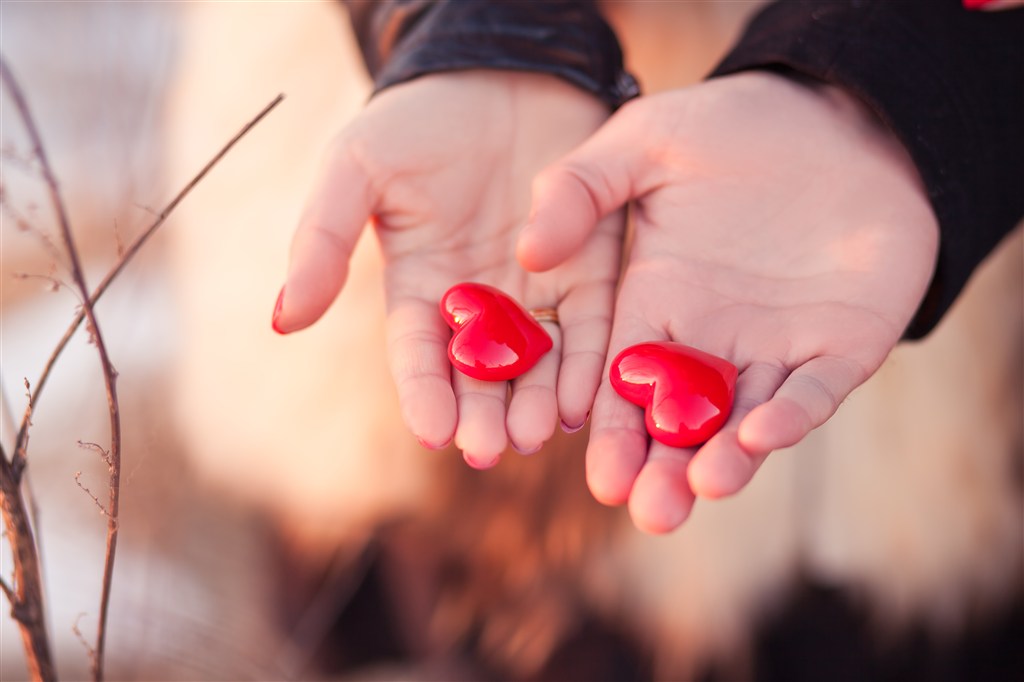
109,373
26,594
21,442
7,590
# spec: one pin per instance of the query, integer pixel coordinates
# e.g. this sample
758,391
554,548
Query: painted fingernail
480,464
524,451
433,446
277,313
574,429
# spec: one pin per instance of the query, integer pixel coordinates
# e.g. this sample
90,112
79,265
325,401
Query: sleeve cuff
946,81
569,40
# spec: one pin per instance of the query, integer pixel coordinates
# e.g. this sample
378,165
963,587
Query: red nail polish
481,465
277,312
433,446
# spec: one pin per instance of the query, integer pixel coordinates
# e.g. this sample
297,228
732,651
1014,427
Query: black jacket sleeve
949,82
403,39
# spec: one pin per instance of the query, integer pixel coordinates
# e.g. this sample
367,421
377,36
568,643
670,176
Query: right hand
442,165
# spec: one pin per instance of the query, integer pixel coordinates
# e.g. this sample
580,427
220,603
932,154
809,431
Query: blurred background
186,603
269,498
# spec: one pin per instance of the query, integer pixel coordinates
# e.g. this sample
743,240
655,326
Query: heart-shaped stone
495,338
686,393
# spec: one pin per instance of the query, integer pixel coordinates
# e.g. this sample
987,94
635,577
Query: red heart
686,393
495,338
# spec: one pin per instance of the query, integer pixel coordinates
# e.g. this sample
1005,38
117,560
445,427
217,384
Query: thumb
572,195
334,217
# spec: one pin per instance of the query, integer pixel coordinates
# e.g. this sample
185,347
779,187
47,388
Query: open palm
442,166
776,225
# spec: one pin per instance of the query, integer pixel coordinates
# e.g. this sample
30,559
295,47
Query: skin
777,225
441,167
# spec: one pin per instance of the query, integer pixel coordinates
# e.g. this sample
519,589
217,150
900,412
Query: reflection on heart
686,393
495,338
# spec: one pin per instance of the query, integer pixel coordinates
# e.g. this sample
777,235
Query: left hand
777,225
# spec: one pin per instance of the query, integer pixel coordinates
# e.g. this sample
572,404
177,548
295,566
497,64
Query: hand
777,225
442,164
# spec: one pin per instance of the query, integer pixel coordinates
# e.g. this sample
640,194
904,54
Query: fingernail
523,451
574,429
480,464
432,446
277,313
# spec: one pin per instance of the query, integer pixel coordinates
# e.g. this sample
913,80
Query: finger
661,498
338,208
533,408
618,438
417,340
585,315
806,400
480,433
572,195
722,466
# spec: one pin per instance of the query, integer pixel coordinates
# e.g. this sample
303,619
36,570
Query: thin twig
118,241
56,284
27,596
10,153
8,592
78,481
109,373
97,448
25,225
22,440
27,605
7,427
77,632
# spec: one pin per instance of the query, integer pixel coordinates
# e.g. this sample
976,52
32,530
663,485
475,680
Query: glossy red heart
686,393
495,338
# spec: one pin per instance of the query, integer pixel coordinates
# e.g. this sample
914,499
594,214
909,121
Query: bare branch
78,481
24,224
146,209
16,157
9,593
109,376
56,284
81,639
133,248
95,447
21,441
29,597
